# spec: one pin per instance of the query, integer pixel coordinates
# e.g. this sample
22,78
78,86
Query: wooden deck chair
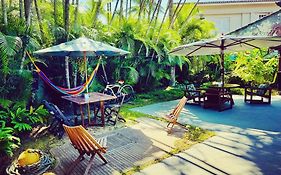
174,115
85,144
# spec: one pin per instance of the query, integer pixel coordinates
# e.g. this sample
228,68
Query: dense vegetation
146,28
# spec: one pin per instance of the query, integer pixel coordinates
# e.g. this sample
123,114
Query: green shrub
16,86
21,119
8,142
16,119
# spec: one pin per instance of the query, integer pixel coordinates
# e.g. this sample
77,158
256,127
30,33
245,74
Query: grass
149,98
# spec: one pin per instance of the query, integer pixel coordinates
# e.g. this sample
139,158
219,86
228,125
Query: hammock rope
67,91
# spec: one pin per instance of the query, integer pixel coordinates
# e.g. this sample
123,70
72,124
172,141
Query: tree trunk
189,15
66,62
151,2
157,12
66,18
39,20
66,28
27,15
21,9
114,12
55,13
27,11
76,13
127,7
97,11
121,10
173,68
175,13
140,10
4,12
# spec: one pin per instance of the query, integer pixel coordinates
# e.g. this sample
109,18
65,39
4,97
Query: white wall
230,16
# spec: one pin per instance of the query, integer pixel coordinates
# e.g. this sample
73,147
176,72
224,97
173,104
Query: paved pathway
248,140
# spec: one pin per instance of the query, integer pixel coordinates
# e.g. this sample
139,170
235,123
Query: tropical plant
21,119
8,142
252,67
9,46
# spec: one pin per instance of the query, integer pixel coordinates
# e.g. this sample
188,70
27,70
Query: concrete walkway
247,141
127,147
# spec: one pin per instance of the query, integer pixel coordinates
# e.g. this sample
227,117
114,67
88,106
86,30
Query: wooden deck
127,147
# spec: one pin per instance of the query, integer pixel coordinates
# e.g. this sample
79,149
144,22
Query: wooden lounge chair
258,95
218,99
191,93
174,115
85,144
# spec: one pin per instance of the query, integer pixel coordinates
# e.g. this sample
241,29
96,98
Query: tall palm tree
76,13
97,11
66,27
39,19
173,68
66,17
55,12
4,12
21,8
27,11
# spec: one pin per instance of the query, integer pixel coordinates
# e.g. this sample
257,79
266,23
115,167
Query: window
261,15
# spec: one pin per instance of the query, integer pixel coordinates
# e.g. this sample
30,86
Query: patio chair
218,99
112,109
174,115
191,93
258,95
58,119
85,144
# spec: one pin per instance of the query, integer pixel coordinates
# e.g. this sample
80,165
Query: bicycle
120,90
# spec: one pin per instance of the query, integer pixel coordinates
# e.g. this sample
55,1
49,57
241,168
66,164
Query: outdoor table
225,88
93,97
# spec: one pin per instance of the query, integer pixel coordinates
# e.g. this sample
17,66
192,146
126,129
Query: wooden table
94,97
225,88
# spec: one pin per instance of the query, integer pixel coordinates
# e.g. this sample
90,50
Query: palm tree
9,46
66,18
55,12
97,11
66,28
4,12
21,8
39,20
27,11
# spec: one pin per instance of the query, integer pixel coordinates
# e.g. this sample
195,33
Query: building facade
229,15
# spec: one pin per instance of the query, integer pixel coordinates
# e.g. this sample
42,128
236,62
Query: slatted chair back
174,115
83,141
176,112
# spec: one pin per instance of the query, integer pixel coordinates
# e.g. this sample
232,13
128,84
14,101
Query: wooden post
279,73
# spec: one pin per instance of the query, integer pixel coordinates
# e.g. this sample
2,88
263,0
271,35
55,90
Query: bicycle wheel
109,91
128,92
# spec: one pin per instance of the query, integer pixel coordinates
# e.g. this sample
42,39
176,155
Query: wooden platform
127,147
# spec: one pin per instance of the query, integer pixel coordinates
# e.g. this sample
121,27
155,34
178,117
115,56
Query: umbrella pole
86,75
222,62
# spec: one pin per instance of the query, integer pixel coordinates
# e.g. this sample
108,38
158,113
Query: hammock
66,91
